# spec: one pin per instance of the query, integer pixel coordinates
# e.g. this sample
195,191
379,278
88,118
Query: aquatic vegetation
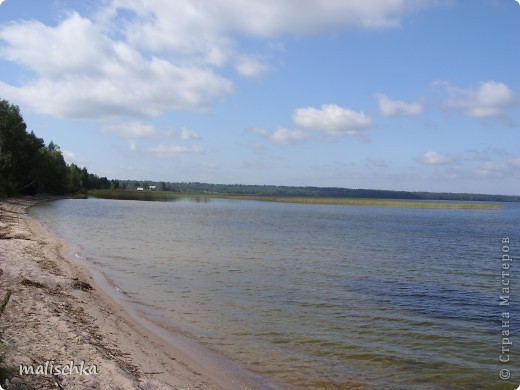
172,196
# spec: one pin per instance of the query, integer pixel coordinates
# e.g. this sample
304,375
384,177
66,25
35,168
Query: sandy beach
59,320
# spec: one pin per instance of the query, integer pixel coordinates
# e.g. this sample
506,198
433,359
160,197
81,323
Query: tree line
28,166
329,192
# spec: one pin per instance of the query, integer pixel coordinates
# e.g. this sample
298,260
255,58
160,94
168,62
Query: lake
314,296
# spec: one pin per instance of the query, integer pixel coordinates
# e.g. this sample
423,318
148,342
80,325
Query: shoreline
62,311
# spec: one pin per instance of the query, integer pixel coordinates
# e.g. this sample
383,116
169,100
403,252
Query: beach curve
59,315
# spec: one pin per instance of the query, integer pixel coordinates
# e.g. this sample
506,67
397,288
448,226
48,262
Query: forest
28,166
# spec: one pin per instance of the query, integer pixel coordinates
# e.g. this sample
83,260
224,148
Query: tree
52,171
74,183
27,166
114,184
19,152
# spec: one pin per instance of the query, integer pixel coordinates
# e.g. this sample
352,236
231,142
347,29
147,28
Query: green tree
74,183
19,152
27,166
52,170
114,184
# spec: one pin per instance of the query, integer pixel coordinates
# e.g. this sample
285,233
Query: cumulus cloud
393,108
332,119
172,150
491,169
251,66
123,91
283,136
201,26
82,73
464,166
73,46
490,99
188,134
71,157
433,158
137,58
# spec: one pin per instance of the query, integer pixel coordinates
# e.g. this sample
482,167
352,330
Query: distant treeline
331,192
28,166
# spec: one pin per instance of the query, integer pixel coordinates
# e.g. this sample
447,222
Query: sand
58,314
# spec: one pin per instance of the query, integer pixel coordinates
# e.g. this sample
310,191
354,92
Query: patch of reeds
377,202
173,196
134,195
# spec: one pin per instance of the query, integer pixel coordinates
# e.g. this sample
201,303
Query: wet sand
59,312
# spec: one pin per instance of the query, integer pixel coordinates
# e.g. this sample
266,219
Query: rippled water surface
315,296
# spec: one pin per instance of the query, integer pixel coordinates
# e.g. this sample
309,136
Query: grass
172,196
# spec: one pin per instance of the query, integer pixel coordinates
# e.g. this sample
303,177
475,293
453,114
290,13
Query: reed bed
173,196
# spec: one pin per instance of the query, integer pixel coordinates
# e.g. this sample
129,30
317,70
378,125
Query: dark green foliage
28,166
52,171
18,151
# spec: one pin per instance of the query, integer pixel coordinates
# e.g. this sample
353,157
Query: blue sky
382,94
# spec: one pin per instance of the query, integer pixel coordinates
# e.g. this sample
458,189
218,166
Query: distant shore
147,195
57,315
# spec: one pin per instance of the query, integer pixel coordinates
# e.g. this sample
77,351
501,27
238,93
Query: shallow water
314,296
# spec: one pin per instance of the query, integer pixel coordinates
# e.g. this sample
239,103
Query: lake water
315,296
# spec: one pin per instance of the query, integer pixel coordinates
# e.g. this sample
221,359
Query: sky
417,95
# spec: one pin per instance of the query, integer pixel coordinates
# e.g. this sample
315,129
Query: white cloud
514,162
199,26
82,73
392,108
125,94
131,130
188,134
74,46
135,58
250,66
205,31
490,99
132,145
172,150
434,158
472,165
283,136
70,157
491,169
332,119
